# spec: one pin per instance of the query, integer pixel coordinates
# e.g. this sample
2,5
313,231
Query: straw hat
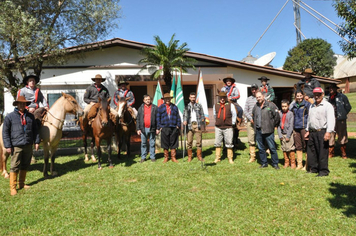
222,94
98,76
167,95
308,71
122,82
21,99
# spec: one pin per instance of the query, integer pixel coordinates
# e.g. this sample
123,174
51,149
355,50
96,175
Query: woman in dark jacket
300,109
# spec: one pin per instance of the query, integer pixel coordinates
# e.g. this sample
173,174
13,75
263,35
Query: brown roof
198,56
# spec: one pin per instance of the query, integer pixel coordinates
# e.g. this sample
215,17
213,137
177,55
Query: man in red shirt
146,127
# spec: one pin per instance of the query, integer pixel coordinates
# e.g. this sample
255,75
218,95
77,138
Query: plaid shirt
162,119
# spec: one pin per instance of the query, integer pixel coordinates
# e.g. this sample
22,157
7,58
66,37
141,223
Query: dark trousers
261,139
318,152
169,138
21,158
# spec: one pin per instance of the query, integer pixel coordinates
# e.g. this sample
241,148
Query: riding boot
331,151
173,155
292,159
22,178
252,154
199,155
286,159
343,151
13,183
299,160
166,155
217,154
230,155
190,154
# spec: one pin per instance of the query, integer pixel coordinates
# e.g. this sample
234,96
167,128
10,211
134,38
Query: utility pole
297,20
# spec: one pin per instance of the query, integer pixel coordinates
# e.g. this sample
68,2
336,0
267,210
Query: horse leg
92,150
98,151
85,144
46,157
109,153
53,151
128,145
4,157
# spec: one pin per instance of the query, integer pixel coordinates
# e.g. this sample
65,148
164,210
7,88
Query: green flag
180,98
157,100
173,90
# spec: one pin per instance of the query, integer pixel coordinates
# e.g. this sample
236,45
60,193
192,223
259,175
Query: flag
173,90
201,98
180,98
157,100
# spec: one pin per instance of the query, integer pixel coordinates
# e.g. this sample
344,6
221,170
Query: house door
138,92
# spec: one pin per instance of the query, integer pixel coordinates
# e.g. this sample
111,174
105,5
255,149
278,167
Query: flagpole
196,92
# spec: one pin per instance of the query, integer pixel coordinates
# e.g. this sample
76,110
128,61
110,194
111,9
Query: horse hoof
54,173
93,158
5,174
100,168
111,167
86,159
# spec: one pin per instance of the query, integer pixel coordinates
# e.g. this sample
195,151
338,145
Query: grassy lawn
182,199
352,100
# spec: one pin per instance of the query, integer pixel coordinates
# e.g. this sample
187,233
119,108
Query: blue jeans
269,139
146,134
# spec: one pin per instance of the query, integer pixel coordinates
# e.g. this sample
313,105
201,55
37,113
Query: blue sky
225,28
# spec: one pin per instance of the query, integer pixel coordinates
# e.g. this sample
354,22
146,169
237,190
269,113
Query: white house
117,59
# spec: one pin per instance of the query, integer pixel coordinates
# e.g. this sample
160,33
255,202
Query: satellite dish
265,60
152,69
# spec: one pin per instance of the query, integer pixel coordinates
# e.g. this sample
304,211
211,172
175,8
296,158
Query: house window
51,98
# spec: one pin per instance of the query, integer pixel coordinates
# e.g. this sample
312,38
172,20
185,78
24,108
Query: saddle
93,112
39,114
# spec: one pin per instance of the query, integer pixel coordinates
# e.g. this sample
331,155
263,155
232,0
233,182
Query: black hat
122,82
37,79
263,78
334,86
254,86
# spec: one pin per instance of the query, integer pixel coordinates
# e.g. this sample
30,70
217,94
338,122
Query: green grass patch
182,199
352,100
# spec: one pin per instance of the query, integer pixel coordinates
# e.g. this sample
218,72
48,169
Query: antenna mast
297,20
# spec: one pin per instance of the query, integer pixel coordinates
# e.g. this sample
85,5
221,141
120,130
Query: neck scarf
23,118
168,108
97,87
283,119
222,106
332,96
264,89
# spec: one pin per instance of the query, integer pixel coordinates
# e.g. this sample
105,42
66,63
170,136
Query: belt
194,123
316,130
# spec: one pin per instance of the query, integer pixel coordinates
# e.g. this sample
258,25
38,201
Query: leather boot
22,178
286,159
299,160
252,154
292,160
306,162
331,151
343,151
173,155
166,155
13,183
190,154
230,155
217,154
199,155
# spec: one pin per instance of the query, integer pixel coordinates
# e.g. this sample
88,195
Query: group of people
310,123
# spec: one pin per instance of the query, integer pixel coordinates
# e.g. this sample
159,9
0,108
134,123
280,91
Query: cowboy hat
98,76
333,86
167,95
222,94
37,79
230,78
122,82
21,99
263,78
308,71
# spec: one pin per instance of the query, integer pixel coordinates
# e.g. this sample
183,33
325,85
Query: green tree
311,53
34,31
167,58
346,10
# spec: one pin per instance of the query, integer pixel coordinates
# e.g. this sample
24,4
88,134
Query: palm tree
167,59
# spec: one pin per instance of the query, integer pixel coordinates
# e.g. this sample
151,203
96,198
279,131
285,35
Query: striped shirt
250,103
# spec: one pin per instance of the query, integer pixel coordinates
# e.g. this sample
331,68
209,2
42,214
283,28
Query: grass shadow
343,198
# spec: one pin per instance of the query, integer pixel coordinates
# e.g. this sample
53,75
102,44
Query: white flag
201,98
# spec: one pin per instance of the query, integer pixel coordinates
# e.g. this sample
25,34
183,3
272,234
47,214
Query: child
285,131
266,89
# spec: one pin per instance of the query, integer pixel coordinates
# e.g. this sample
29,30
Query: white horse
50,132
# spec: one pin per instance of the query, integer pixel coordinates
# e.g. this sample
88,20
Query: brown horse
126,125
102,127
51,131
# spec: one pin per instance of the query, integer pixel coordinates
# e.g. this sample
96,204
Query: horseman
32,93
124,92
233,94
91,96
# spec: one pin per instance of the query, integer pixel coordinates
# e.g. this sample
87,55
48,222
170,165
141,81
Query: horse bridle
123,123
